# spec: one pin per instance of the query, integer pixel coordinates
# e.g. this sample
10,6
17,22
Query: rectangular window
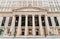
3,21
43,20
37,31
29,20
49,20
16,21
56,21
23,20
36,20
23,32
29,31
10,21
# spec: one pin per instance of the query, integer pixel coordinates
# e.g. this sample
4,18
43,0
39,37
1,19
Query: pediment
29,9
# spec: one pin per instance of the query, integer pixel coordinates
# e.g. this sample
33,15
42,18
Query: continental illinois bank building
29,19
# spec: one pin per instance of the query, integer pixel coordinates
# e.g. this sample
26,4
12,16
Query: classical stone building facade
29,19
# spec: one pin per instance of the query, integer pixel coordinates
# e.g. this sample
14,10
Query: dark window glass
36,20
23,21
16,21
23,32
3,21
49,20
29,20
37,31
43,20
56,21
30,32
10,21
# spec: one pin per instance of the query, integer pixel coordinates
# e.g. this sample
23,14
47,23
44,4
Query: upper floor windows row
30,20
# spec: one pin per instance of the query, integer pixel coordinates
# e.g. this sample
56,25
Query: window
23,32
16,21
15,33
43,20
36,20
49,20
37,31
8,30
29,31
10,21
56,21
29,20
23,20
3,21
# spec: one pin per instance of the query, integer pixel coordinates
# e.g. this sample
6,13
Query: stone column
12,29
26,26
47,25
53,24
33,22
41,27
58,18
6,26
19,27
1,18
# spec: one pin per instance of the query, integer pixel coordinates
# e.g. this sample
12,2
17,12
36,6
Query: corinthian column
53,25
33,31
12,28
6,27
40,27
19,27
47,25
26,27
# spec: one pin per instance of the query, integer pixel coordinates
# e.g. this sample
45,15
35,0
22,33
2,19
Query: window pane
15,33
23,20
30,20
56,21
49,20
43,20
16,21
23,32
30,32
37,31
36,20
3,21
10,21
